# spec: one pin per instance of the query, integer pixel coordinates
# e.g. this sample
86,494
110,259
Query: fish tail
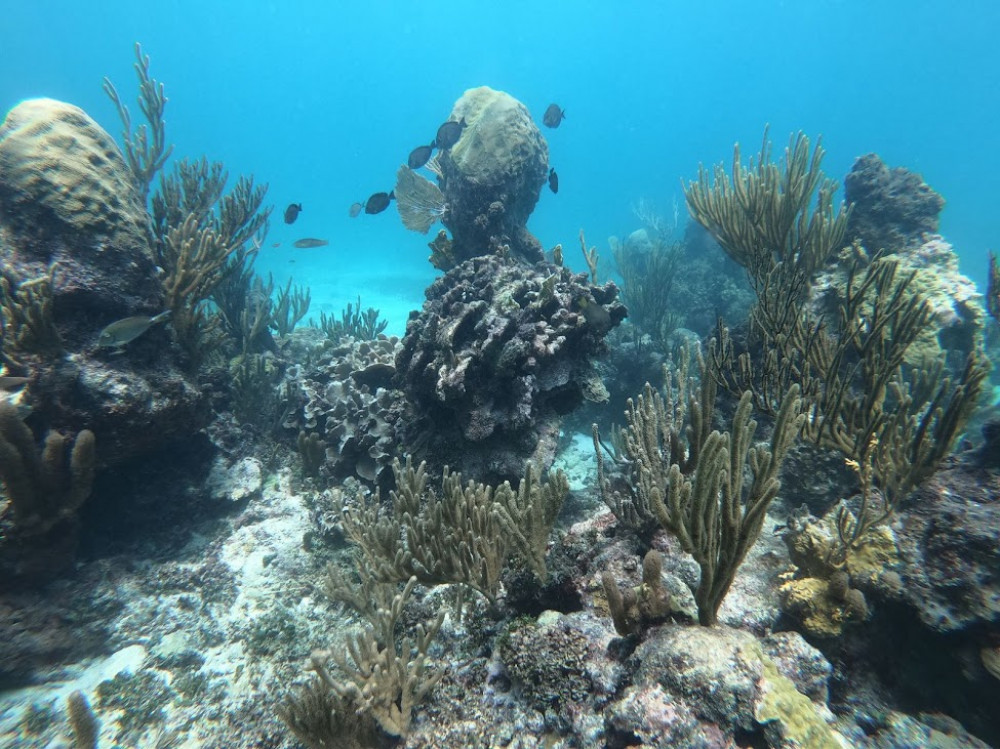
162,317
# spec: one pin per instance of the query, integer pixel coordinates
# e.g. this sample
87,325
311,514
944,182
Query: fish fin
392,195
434,143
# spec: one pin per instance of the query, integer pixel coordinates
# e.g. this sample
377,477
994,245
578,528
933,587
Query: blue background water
323,100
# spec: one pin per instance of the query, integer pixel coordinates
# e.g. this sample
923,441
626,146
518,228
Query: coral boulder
76,256
492,177
893,208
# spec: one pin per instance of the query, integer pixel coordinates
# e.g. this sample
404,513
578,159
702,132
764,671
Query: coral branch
144,158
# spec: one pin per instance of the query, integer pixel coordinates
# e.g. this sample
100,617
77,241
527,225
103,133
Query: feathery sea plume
419,201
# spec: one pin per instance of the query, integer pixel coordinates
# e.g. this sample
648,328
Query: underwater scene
510,375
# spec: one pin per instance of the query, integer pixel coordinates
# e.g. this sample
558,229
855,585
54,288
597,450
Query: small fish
379,202
355,210
553,116
7,382
309,243
595,315
117,334
449,133
420,156
553,180
276,244
292,212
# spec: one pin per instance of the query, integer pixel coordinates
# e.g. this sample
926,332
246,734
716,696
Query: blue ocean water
323,101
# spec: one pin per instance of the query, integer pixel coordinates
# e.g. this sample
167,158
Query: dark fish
310,242
420,156
292,212
118,333
379,202
449,133
553,116
553,180
355,210
596,316
276,244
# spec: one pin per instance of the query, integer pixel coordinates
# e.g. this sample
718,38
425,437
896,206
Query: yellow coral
798,721
808,599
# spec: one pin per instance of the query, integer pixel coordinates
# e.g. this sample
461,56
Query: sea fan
419,201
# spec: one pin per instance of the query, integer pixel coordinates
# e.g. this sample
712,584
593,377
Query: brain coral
60,172
492,177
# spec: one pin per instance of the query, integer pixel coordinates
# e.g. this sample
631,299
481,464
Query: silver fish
310,243
118,333
12,383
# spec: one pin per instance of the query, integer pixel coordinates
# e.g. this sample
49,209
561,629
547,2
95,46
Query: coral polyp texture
498,353
62,172
67,197
492,177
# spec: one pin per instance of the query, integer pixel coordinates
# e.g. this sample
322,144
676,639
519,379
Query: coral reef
900,420
67,197
145,156
492,177
731,679
993,288
892,208
83,226
554,666
498,353
690,478
461,535
39,524
419,201
779,222
344,403
951,551
205,240
386,677
956,323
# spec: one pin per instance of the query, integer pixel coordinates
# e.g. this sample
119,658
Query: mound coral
492,177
